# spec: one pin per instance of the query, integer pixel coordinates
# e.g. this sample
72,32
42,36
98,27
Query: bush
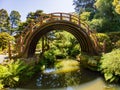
114,36
115,39
110,65
90,62
48,58
104,40
96,24
12,72
117,44
4,38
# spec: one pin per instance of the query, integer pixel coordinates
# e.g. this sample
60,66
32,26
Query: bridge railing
61,16
48,18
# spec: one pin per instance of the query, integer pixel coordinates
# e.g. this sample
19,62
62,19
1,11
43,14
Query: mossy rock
90,62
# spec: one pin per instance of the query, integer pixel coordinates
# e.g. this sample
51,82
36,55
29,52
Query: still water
74,79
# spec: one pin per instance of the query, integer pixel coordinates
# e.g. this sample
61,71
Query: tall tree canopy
102,16
4,20
116,3
14,20
110,21
34,15
83,5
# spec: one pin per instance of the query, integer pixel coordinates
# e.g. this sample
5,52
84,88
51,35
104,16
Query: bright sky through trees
26,6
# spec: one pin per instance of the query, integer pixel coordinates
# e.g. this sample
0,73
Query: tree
105,13
22,26
14,21
85,16
116,3
4,20
84,5
34,15
104,8
4,39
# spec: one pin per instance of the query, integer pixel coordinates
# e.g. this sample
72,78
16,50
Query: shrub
96,24
4,38
110,65
115,39
90,62
117,44
12,71
104,40
114,36
9,73
48,58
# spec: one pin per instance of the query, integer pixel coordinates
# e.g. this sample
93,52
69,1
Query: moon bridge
28,39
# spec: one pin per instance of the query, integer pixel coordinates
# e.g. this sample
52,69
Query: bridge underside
83,38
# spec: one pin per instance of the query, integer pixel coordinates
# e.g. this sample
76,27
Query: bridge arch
78,32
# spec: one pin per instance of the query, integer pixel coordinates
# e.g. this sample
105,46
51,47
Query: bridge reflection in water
78,79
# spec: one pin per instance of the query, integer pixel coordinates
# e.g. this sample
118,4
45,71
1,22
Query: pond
68,76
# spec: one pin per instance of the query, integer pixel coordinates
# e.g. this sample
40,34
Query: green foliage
85,16
103,16
83,5
14,21
34,15
104,41
117,6
4,39
89,61
61,45
110,65
9,73
22,26
74,51
66,65
4,21
96,24
48,58
115,37
117,45
12,71
105,11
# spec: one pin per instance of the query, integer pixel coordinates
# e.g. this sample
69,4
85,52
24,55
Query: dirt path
3,57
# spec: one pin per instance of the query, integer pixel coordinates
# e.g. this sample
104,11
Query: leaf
112,79
1,85
108,76
16,78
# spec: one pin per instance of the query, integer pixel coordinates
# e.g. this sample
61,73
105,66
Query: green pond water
69,76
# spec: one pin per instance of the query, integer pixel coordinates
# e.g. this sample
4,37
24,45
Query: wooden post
51,17
21,43
41,20
42,44
9,50
104,46
60,16
70,18
79,23
31,26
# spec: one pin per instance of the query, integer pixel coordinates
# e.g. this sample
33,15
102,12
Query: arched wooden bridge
56,21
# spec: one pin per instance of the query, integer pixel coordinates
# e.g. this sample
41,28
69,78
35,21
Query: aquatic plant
67,65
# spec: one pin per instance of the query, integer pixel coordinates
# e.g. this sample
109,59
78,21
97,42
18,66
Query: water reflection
66,74
76,79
